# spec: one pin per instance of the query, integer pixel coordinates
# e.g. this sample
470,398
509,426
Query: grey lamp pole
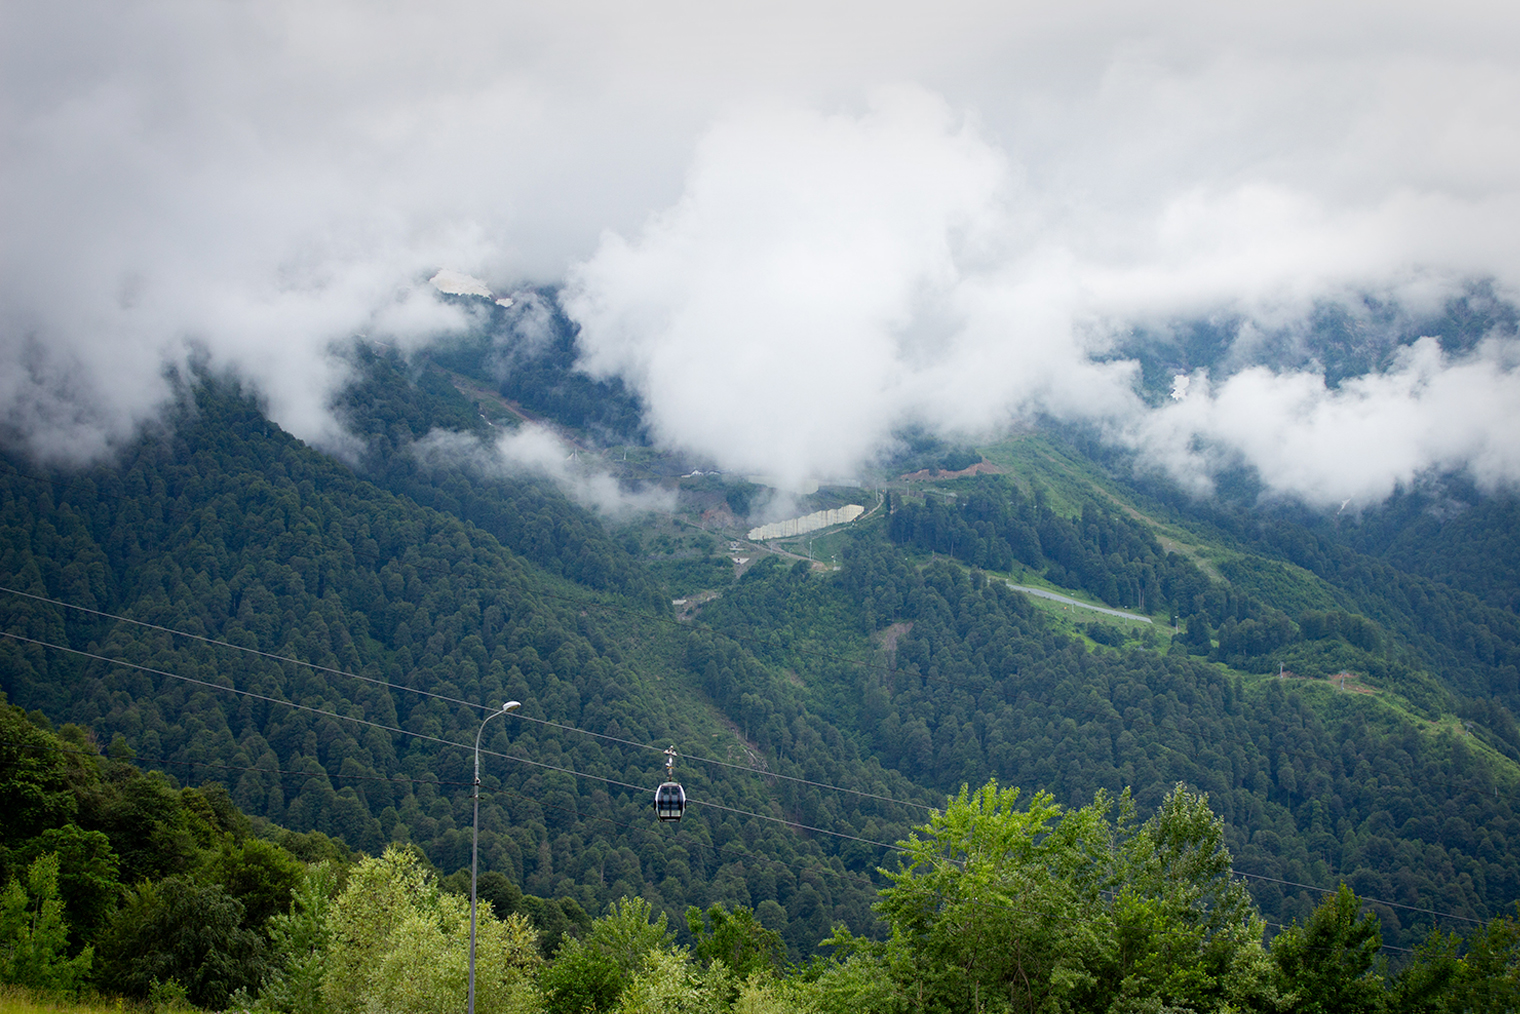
475,846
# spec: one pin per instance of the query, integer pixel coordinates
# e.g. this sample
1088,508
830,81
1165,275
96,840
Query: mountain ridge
782,661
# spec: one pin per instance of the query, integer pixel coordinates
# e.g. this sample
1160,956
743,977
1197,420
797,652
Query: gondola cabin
670,798
669,801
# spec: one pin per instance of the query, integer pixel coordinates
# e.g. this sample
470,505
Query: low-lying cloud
536,450
1354,443
792,229
825,279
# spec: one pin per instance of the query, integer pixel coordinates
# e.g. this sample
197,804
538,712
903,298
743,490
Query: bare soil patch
983,467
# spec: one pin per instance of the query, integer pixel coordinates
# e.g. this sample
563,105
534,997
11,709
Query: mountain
321,637
407,618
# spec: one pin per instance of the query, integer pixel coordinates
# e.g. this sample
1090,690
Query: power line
1315,759
726,764
581,774
631,743
1376,901
419,735
217,642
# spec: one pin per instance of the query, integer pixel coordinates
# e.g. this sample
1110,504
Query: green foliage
398,415
168,997
259,874
740,497
87,874
555,919
993,525
900,679
1186,931
993,904
492,887
736,939
1487,978
529,351
764,994
1327,965
1105,633
400,944
299,941
860,983
668,983
591,974
1313,783
687,575
36,791
1370,570
182,930
1045,908
581,980
226,527
34,935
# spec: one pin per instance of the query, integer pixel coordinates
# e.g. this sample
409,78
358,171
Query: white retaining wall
807,523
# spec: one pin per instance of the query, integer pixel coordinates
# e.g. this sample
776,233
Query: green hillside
393,600
226,534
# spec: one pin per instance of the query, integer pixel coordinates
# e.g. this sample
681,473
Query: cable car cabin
669,801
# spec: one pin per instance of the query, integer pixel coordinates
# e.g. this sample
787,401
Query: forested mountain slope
224,528
1316,785
898,675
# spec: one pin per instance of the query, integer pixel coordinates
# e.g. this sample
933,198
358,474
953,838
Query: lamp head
510,705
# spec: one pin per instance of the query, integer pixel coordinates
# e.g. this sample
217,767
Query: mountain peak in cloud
790,243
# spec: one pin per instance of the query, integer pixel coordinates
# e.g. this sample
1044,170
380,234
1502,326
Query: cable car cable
523,760
252,651
610,781
407,732
687,842
1378,901
727,764
192,764
478,706
813,652
441,697
315,711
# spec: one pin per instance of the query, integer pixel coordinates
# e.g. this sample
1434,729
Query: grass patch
16,1000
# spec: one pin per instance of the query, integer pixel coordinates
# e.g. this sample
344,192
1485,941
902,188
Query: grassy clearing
1034,460
15,1000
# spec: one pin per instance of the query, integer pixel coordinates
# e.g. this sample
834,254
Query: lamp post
475,845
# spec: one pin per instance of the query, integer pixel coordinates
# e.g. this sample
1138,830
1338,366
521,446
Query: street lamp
475,846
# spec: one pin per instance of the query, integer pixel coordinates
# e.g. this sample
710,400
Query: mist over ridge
791,233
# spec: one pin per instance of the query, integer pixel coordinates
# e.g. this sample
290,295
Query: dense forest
409,622
313,644
118,881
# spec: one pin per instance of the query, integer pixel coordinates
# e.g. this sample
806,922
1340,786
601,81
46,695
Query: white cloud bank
790,227
826,278
537,450
1354,443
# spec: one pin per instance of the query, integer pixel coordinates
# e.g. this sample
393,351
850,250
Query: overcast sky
792,227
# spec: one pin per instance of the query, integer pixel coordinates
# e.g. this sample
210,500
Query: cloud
1354,443
826,277
536,450
792,227
773,319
